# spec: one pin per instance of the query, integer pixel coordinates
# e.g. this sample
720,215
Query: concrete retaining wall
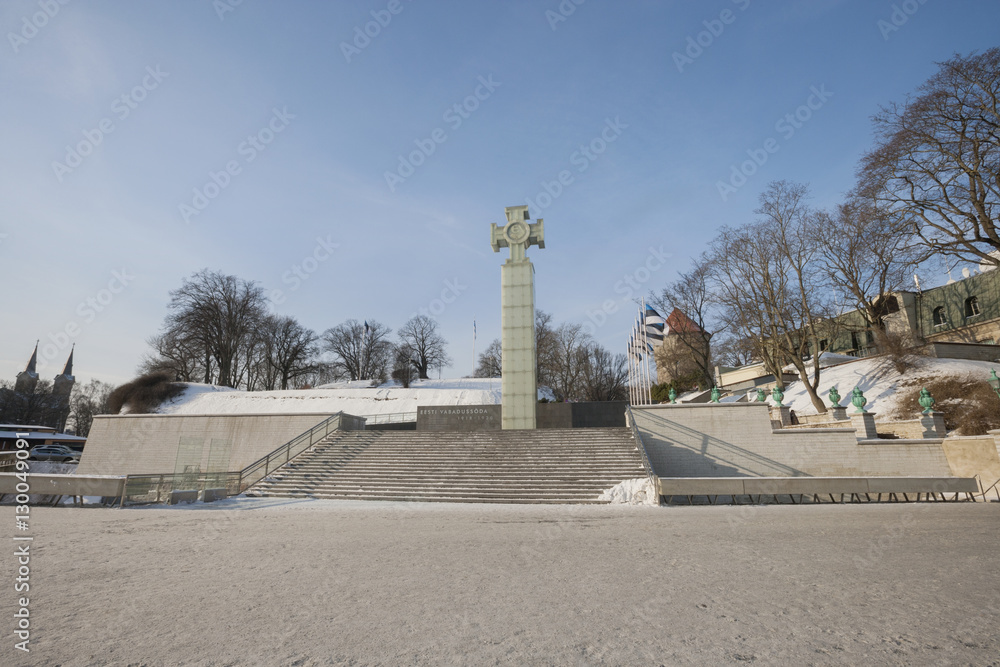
151,444
736,440
609,414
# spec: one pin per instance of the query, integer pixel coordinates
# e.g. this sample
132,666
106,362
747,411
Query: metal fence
394,418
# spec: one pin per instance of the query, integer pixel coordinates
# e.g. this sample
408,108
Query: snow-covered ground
354,398
879,381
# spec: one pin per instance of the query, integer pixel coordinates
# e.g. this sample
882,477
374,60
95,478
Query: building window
823,344
940,319
971,307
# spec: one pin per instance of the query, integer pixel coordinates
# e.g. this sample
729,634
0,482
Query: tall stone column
519,384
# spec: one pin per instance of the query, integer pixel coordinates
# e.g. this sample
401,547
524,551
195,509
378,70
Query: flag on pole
368,330
654,318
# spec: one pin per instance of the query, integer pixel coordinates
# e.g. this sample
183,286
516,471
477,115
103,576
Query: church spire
33,361
68,369
27,380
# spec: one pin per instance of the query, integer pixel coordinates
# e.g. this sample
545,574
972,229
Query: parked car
56,453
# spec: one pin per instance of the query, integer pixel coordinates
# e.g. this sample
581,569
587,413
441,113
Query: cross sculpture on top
517,305
518,234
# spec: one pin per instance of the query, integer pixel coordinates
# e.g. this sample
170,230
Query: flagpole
645,340
631,371
645,348
639,353
473,346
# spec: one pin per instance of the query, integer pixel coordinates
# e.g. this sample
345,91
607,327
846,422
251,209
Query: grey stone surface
458,418
149,444
933,425
736,439
610,414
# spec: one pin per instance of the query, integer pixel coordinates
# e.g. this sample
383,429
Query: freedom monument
517,301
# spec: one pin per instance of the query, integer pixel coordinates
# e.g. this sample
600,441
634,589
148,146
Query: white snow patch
354,398
878,381
637,491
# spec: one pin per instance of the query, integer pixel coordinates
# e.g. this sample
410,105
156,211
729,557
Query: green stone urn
761,396
858,399
672,395
715,395
777,395
834,397
926,401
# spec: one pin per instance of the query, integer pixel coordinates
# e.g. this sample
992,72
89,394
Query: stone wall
548,415
736,439
148,444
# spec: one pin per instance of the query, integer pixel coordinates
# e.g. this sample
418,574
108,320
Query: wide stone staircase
542,466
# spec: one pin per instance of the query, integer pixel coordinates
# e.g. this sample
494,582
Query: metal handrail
630,420
391,418
235,482
283,454
995,486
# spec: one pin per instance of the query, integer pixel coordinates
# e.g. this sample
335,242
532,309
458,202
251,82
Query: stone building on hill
684,356
29,403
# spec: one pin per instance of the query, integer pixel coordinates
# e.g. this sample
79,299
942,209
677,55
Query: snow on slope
354,398
879,382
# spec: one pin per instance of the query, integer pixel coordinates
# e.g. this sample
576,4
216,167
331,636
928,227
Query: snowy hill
355,398
879,381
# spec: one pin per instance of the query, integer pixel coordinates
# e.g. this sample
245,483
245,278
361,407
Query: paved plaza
279,582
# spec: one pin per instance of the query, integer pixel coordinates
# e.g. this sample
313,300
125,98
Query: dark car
55,453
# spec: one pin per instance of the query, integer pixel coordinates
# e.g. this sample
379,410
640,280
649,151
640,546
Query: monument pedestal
518,366
864,424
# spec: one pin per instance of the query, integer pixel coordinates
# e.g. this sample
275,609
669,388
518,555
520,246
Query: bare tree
215,317
361,351
178,354
690,294
603,375
429,348
490,361
868,253
404,364
88,401
288,350
545,348
768,286
734,350
570,342
937,155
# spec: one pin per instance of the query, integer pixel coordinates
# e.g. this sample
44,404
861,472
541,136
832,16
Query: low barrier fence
150,489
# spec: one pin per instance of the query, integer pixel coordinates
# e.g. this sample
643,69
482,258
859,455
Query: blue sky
145,141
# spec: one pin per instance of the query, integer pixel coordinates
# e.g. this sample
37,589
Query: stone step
554,466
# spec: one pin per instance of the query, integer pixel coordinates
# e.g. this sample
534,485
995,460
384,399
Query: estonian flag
368,330
653,318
